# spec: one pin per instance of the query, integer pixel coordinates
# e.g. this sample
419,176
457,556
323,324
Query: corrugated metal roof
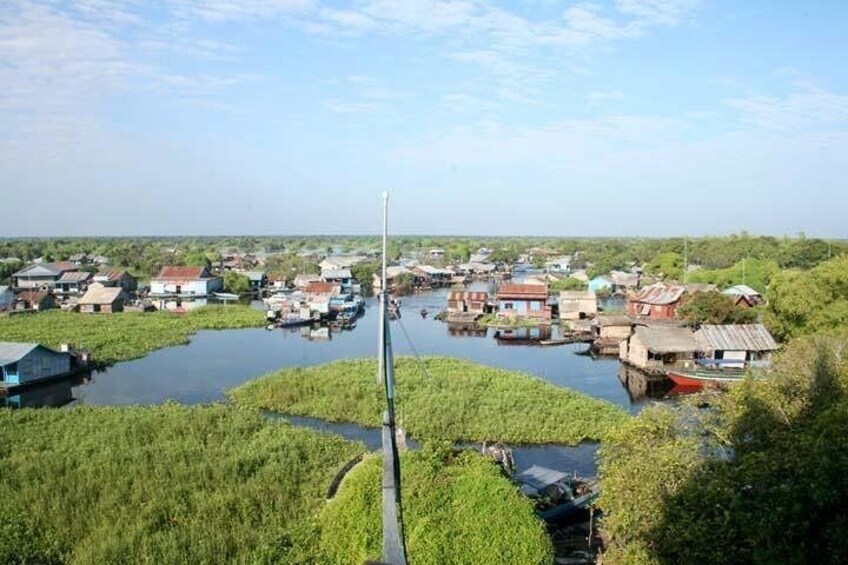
315,287
182,273
32,296
540,477
12,352
74,276
659,294
102,295
473,296
577,295
336,274
741,289
254,275
667,340
737,337
523,291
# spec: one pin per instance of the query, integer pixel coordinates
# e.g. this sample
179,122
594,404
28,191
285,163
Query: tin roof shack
577,304
258,280
658,301
735,346
393,272
41,275
435,275
26,363
609,332
37,300
744,296
524,301
7,297
72,282
467,301
622,282
302,281
120,279
185,281
654,349
342,277
103,299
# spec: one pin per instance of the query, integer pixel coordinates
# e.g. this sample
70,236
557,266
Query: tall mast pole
394,550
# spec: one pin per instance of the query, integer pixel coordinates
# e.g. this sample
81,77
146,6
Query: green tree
236,283
568,284
714,308
669,265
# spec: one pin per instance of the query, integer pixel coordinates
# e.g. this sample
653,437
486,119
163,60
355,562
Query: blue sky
538,117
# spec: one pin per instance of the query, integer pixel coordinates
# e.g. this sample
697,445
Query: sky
529,117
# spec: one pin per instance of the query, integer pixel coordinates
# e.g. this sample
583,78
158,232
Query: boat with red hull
690,378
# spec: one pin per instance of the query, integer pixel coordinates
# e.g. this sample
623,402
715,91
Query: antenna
394,548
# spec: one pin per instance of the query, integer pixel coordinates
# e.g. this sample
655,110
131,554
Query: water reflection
579,459
54,394
643,387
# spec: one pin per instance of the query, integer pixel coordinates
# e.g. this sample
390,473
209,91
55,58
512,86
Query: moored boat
558,496
225,295
692,378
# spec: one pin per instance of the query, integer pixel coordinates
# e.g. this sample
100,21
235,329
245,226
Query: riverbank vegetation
127,335
165,484
445,398
457,508
755,475
214,484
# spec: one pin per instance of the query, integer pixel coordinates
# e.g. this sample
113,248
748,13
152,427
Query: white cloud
218,11
807,107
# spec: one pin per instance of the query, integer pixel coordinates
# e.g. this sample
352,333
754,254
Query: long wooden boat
696,378
558,496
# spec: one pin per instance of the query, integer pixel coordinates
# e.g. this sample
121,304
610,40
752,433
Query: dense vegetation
462,511
165,484
804,302
294,255
714,308
758,476
118,337
454,399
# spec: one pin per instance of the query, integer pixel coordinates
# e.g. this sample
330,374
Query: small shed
117,278
258,280
745,296
37,300
24,363
577,304
467,301
657,348
103,299
736,345
611,329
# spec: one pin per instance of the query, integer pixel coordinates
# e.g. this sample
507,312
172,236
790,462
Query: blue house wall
38,364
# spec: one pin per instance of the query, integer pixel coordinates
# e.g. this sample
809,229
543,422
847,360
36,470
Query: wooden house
658,301
120,279
658,348
185,281
328,288
72,283
558,264
103,299
622,282
258,280
523,300
577,304
37,300
744,296
342,277
735,346
467,301
26,363
435,276
41,276
609,331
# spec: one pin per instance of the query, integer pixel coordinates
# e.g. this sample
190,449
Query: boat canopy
539,477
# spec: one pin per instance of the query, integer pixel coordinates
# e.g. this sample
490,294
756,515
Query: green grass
460,512
165,484
127,335
456,400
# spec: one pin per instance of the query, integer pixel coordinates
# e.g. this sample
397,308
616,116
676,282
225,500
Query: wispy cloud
219,11
808,107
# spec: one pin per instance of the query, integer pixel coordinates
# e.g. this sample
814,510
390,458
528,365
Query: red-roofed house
526,300
658,301
185,281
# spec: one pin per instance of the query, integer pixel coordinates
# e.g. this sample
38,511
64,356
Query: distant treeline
144,256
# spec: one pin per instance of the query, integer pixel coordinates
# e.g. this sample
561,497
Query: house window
508,306
535,306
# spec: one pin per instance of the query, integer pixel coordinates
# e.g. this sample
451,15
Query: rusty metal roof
471,296
102,295
322,288
737,337
183,273
523,291
659,294
74,276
